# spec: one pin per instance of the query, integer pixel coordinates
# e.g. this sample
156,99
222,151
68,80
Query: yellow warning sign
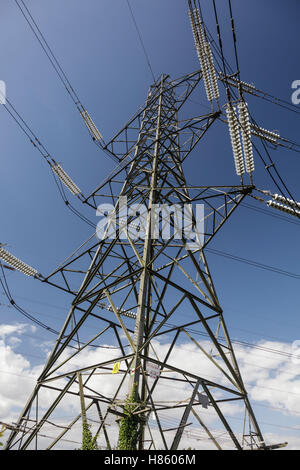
116,368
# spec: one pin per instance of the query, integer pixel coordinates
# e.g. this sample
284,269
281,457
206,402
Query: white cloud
272,381
16,380
18,328
272,378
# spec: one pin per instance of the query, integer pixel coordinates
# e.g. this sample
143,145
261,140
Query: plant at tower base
130,426
2,430
88,441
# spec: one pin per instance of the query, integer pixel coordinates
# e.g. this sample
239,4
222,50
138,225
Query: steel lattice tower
138,295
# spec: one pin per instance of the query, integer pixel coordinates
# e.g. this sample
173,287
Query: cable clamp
269,166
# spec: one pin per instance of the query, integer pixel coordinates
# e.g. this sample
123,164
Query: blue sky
99,49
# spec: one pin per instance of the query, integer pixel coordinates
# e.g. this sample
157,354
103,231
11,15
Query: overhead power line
48,51
122,272
254,91
269,166
93,130
254,263
234,39
60,177
141,39
29,316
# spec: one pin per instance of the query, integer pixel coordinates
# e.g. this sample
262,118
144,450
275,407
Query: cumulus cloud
18,328
273,378
16,377
272,381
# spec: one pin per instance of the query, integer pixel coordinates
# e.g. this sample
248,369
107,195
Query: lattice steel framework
144,296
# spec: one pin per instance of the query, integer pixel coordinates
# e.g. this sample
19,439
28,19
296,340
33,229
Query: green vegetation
130,426
2,430
88,441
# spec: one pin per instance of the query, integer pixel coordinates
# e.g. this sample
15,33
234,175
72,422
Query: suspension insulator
235,140
246,136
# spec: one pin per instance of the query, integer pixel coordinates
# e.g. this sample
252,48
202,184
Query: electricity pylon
139,291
